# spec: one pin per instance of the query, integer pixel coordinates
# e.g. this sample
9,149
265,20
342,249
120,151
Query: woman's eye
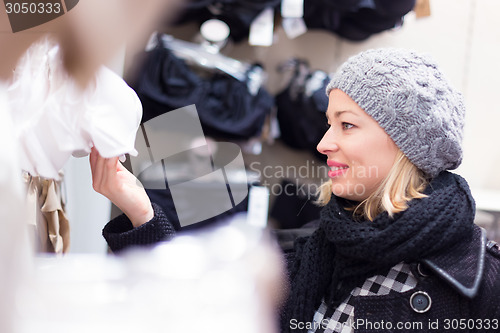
347,126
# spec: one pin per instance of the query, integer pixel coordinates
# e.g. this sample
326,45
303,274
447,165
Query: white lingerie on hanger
54,118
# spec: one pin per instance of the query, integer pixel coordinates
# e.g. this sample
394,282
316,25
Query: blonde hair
404,182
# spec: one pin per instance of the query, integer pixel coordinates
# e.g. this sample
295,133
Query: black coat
463,286
457,291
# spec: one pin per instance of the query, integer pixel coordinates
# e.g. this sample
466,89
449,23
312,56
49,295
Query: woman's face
359,152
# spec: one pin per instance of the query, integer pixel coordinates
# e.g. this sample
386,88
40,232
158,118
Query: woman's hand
111,179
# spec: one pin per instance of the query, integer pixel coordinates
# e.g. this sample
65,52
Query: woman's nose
328,143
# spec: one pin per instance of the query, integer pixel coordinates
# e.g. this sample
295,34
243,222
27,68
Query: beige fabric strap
47,214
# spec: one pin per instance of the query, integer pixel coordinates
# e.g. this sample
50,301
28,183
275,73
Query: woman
396,248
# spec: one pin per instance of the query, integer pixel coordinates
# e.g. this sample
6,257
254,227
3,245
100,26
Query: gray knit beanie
410,98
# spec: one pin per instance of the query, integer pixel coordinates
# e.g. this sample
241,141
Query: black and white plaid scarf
344,252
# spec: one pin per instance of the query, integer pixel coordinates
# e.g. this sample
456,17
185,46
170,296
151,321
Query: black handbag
226,107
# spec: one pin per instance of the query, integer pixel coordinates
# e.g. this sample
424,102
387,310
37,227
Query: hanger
208,56
304,79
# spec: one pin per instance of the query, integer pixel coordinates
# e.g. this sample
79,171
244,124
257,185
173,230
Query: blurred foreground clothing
54,119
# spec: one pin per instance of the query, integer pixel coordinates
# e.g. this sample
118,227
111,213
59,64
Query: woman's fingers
99,171
103,172
93,158
109,181
120,166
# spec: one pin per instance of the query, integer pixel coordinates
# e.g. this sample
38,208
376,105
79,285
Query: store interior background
462,35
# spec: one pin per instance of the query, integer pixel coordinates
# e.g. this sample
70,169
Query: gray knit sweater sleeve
120,234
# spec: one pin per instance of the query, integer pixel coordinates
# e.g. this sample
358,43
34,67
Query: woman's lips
336,168
337,172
